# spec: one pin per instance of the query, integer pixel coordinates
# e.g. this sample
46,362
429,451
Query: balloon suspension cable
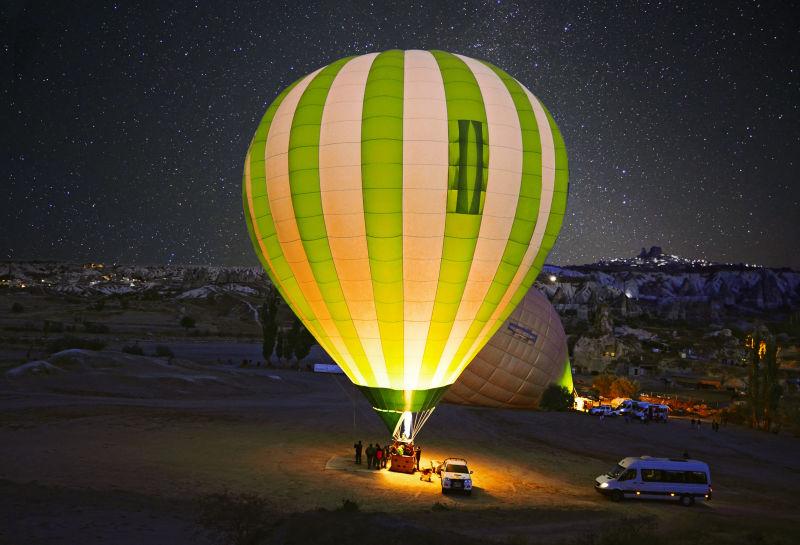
410,423
422,417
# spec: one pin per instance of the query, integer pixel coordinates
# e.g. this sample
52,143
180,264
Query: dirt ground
110,465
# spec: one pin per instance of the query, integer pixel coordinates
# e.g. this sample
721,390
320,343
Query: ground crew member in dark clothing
370,455
418,452
358,448
386,454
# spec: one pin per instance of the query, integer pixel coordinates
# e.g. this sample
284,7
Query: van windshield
615,471
456,468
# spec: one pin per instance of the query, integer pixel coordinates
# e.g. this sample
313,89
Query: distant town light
553,278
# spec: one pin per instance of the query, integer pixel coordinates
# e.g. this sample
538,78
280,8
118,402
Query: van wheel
686,500
616,495
444,491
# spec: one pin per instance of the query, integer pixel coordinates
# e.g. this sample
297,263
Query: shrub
163,351
65,343
134,349
93,327
556,398
188,322
237,519
349,506
53,326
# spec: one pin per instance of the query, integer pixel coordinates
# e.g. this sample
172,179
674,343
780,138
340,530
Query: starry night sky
128,122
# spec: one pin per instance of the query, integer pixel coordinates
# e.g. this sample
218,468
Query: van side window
696,477
674,476
652,475
628,475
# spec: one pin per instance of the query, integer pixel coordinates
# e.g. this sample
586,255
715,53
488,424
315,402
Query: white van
657,478
624,406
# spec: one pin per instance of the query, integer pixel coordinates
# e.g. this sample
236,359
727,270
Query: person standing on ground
370,455
385,455
418,453
358,447
378,456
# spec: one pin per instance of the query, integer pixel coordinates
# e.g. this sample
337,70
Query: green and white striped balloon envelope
403,203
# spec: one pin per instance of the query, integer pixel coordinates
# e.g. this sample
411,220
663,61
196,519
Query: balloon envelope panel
525,356
403,203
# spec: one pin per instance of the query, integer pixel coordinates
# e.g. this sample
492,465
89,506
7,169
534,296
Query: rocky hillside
672,288
97,279
652,284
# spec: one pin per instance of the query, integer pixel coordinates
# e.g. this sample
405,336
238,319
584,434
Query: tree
773,391
602,383
754,382
556,398
269,323
302,347
280,347
623,387
763,390
291,338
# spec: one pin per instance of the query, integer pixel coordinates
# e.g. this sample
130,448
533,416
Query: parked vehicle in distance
626,407
455,475
658,412
657,478
605,410
640,410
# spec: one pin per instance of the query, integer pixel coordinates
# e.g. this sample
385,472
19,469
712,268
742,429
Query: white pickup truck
455,475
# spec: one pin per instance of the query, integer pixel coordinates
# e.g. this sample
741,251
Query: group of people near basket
378,456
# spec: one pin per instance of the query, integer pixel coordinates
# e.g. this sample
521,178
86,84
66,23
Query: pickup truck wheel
616,495
444,491
687,500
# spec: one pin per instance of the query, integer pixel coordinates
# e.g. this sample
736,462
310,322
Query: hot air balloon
403,203
526,355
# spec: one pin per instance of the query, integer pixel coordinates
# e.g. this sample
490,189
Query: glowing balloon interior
403,203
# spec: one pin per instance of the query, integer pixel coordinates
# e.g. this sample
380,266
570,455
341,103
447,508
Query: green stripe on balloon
464,103
525,214
279,272
382,183
561,188
566,377
307,204
559,203
554,222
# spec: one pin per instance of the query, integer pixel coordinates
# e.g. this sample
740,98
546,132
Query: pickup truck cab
456,476
604,410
